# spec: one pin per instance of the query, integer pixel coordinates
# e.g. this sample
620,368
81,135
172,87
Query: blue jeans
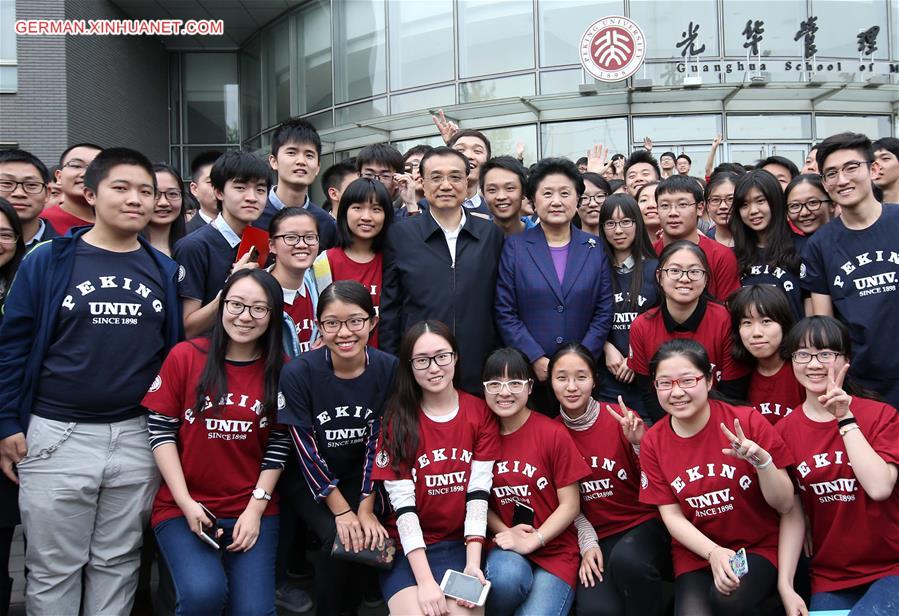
879,598
215,582
518,586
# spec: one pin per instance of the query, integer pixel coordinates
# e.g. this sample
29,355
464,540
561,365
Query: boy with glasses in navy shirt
79,305
208,256
851,264
23,182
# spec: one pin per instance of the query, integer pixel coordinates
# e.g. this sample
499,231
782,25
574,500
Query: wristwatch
260,494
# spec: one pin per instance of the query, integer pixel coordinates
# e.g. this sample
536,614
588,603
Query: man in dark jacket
87,323
442,265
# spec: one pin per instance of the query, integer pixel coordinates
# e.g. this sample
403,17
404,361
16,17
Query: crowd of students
688,381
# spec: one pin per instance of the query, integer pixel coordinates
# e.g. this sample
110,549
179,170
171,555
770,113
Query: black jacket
421,283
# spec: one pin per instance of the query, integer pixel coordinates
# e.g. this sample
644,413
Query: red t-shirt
537,460
442,467
221,450
777,395
855,538
718,494
610,496
725,273
61,220
369,274
648,332
303,316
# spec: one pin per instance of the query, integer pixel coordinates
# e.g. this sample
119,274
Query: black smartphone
209,532
523,515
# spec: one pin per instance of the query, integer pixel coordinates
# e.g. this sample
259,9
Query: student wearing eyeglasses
24,182
167,223
436,455
533,566
846,450
685,311
808,207
333,399
293,241
717,473
680,204
216,442
363,217
850,263
634,265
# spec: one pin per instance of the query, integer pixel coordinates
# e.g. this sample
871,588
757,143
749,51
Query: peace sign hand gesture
631,423
835,399
447,128
743,448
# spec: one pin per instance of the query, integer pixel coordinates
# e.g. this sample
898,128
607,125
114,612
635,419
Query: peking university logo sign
612,48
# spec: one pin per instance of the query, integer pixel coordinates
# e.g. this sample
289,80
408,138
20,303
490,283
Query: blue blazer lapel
578,250
538,249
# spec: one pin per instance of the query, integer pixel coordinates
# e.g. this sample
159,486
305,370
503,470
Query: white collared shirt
227,232
278,204
473,203
452,235
290,295
42,226
207,219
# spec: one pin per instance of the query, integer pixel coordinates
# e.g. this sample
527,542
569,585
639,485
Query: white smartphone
466,587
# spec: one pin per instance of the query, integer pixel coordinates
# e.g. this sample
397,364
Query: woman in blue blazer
554,283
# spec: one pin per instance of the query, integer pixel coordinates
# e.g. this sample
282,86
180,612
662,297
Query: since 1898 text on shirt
442,466
610,495
222,449
855,538
113,309
535,461
860,272
718,494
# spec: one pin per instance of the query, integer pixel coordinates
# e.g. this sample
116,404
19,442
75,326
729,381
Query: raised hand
743,448
447,128
519,150
647,144
835,399
597,159
717,141
631,423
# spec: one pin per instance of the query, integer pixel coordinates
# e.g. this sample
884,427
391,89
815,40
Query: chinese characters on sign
867,40
690,45
689,42
753,33
808,29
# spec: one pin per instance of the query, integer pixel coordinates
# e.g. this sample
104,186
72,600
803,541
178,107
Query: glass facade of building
364,71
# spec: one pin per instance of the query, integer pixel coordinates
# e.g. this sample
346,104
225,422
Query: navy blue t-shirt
340,413
625,314
205,259
109,340
860,272
781,278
